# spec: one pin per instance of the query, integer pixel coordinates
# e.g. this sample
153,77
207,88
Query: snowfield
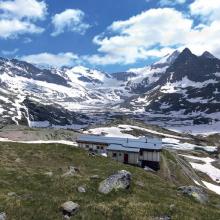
173,143
117,131
207,168
212,187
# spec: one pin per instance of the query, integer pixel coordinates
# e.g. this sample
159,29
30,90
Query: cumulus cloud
69,20
13,28
206,10
154,33
171,2
30,9
18,17
49,59
134,38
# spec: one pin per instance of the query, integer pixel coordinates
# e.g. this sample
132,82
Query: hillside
32,187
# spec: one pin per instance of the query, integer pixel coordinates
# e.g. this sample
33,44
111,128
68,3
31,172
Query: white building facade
142,152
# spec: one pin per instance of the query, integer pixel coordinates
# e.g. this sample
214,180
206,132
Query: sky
106,34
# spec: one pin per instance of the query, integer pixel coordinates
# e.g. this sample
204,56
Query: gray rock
81,189
166,217
11,194
172,206
71,172
18,160
120,180
196,192
94,177
69,209
2,216
50,174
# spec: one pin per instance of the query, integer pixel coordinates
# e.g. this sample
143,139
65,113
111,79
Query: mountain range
180,87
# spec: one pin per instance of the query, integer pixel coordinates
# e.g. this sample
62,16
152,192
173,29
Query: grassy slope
39,196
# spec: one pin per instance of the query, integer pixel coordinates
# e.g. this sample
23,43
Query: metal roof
144,143
119,147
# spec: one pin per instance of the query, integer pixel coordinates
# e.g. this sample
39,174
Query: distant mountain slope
190,86
29,94
180,83
147,76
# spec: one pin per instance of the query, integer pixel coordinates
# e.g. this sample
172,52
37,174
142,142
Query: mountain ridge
180,82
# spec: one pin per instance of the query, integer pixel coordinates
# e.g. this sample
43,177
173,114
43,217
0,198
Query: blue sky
106,34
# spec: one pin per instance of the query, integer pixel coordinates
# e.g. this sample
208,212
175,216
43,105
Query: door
125,158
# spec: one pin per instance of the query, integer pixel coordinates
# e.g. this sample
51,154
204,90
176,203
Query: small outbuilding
142,152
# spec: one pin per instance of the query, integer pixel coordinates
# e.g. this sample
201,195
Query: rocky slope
190,88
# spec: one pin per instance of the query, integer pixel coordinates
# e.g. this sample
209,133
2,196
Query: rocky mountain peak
207,54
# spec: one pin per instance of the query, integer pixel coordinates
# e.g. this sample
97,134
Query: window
102,148
119,154
114,155
87,146
97,147
141,153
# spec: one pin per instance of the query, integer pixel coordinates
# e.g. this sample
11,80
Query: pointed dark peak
208,55
186,54
186,51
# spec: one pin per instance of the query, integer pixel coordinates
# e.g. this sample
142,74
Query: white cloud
17,17
13,28
9,52
206,9
49,59
171,2
109,59
69,20
154,33
31,9
135,37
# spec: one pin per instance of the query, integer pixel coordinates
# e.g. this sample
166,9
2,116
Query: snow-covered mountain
180,83
190,87
148,75
33,95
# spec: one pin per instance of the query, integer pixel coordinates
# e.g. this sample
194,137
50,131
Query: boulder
81,189
196,192
71,172
2,216
69,209
119,180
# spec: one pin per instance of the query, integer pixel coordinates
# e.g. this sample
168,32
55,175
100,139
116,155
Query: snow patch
207,167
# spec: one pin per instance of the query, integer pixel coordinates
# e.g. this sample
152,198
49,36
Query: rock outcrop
196,192
120,180
69,209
